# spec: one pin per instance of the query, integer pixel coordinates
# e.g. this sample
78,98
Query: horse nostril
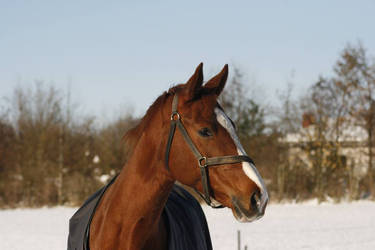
255,200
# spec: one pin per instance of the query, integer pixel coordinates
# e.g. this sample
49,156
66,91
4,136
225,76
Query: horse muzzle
253,210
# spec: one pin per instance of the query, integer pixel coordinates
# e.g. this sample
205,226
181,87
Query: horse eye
205,132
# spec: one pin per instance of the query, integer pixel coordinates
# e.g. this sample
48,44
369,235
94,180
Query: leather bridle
203,161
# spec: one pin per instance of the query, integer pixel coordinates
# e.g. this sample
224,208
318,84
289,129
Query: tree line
52,155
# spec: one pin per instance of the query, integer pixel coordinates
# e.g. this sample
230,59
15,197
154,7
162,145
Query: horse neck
135,201
144,178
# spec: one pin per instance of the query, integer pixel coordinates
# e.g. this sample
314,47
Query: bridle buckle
202,162
175,116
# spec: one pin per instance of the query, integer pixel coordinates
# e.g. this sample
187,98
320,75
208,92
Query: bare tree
356,72
243,110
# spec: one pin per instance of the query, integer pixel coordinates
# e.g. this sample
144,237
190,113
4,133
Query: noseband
203,161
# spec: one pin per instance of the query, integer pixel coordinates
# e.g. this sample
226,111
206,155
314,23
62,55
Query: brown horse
184,136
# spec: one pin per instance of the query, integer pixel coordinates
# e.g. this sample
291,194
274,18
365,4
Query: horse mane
131,137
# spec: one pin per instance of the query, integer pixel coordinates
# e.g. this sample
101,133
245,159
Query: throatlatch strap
169,143
171,130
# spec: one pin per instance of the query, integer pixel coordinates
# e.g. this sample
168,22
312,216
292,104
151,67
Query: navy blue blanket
186,222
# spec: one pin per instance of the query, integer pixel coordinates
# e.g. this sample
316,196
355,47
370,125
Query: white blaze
249,169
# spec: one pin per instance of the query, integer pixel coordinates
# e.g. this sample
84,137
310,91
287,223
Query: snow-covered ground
295,226
289,226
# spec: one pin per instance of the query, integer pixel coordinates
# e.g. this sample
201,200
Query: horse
185,136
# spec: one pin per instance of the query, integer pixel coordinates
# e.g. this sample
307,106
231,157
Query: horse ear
216,84
195,82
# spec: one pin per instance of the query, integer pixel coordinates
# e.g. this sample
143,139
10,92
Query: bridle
203,161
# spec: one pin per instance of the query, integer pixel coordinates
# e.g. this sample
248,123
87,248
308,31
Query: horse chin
243,215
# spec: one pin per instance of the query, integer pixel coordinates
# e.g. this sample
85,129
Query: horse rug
184,217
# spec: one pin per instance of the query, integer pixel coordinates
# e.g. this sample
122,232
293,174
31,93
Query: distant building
349,140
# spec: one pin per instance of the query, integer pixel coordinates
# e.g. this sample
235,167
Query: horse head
204,152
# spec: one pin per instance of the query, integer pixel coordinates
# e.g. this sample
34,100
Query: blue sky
128,52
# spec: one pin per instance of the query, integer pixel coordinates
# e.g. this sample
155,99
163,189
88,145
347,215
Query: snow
45,228
286,226
296,226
